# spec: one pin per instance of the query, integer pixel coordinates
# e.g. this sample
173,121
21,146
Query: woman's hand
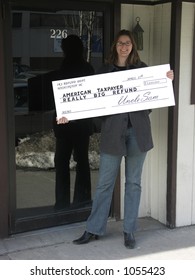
170,74
62,120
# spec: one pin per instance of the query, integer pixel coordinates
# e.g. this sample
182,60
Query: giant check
113,93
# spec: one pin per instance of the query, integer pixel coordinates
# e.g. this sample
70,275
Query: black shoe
129,240
85,238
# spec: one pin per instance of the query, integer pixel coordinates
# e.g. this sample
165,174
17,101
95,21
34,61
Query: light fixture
138,35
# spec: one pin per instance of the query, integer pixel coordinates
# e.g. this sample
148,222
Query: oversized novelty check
113,93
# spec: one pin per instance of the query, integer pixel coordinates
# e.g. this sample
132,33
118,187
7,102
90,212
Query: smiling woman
126,134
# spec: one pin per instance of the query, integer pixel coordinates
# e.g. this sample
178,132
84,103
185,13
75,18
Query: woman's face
124,46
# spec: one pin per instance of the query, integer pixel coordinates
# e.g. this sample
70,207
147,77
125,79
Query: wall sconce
138,35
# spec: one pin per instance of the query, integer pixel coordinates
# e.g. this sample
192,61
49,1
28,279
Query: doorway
37,31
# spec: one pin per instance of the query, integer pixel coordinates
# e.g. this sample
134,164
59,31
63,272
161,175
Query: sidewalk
154,242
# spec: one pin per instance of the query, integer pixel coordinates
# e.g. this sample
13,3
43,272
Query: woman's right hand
62,120
170,74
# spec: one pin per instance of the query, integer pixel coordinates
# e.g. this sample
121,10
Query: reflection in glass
36,51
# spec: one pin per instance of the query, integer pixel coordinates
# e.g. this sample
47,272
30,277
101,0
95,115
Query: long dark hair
133,58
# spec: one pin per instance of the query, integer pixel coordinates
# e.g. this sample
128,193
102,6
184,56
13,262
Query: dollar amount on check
113,93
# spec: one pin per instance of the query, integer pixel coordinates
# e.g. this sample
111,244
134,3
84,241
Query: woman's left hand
62,120
170,74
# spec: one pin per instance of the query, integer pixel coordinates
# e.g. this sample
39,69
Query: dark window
50,20
35,20
16,20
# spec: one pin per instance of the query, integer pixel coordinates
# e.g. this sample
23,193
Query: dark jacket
41,96
114,127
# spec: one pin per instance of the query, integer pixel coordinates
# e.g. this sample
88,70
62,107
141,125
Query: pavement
154,241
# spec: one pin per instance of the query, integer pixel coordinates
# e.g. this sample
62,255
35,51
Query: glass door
36,49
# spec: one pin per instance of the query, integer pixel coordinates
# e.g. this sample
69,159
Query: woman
128,135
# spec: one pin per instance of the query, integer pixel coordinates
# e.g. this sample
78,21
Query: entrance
37,31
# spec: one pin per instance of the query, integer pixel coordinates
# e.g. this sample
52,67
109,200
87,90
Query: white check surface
113,93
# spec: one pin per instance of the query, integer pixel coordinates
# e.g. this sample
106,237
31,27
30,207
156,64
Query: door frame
7,139
4,186
18,223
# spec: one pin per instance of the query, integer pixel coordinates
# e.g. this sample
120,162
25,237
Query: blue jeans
108,171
